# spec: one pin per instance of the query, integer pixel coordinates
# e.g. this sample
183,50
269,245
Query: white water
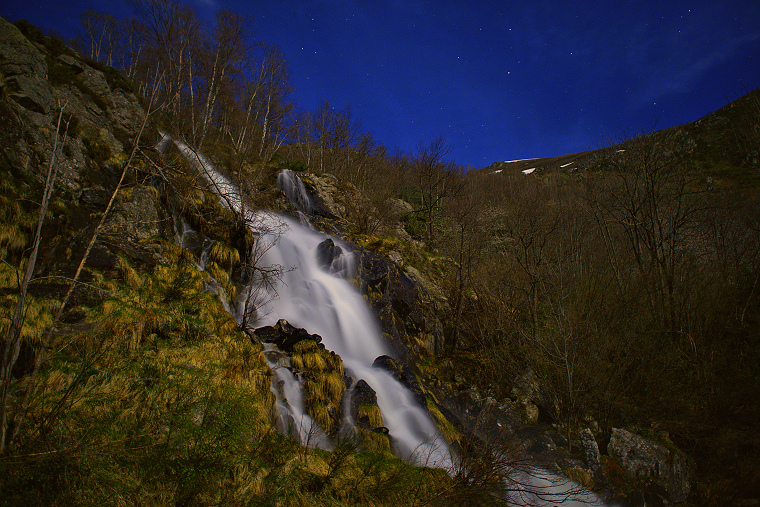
292,418
324,303
295,191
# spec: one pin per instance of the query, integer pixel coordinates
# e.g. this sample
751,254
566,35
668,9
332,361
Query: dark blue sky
500,80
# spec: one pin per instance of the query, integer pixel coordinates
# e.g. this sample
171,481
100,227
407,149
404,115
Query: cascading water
295,191
318,299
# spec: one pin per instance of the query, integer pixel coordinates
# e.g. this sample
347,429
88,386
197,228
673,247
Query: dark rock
285,336
140,217
95,198
540,445
529,395
403,374
559,440
642,458
327,252
23,71
364,394
650,494
408,314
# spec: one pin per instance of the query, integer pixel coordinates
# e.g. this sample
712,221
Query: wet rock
284,335
403,374
643,458
409,313
327,252
276,359
364,394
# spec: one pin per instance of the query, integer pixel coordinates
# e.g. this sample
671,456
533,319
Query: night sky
499,80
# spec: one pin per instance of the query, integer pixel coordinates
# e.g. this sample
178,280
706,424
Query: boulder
530,396
284,335
592,455
364,394
327,252
643,458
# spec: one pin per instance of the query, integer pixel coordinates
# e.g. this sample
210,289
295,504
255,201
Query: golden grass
12,238
450,433
38,316
374,441
314,361
372,413
129,275
222,277
223,255
10,278
305,346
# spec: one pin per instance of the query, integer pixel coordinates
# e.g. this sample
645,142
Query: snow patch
519,160
569,163
528,171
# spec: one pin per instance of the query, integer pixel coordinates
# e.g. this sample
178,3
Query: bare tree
437,177
100,35
655,204
222,53
12,342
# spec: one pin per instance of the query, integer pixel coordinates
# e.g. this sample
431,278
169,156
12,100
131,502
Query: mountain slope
724,145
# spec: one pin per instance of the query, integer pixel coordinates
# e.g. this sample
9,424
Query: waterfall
295,191
319,299
315,298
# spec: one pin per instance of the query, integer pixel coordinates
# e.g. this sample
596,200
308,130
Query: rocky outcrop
529,396
327,252
285,335
41,78
409,315
23,72
644,459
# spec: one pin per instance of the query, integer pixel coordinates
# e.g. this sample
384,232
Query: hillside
722,145
542,328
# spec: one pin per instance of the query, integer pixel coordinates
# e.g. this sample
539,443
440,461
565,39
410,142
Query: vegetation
630,288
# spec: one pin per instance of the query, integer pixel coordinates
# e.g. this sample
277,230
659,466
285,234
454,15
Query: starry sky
500,80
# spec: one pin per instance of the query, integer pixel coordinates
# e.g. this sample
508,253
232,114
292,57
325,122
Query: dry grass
223,255
372,413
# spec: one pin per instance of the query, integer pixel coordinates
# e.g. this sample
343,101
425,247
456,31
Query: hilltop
723,145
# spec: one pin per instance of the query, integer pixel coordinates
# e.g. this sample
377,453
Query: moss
449,432
59,73
96,148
